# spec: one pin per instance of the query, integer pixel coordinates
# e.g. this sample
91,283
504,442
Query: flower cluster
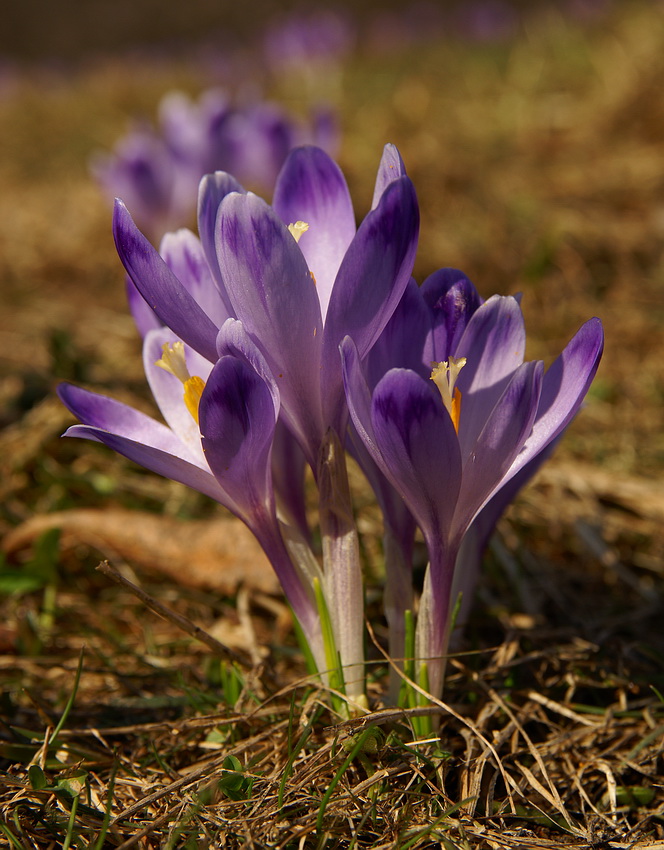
284,336
156,171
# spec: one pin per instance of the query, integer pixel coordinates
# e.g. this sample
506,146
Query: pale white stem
342,583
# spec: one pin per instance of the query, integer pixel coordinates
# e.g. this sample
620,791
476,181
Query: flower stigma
173,361
444,375
296,230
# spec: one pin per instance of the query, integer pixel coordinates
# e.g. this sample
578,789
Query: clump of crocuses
283,337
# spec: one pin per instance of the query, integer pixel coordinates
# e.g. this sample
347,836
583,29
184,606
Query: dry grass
539,168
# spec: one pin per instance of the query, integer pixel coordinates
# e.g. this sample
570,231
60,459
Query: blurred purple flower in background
157,171
309,41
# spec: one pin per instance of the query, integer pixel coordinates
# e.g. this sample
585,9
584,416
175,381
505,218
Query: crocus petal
500,441
288,469
157,460
565,385
493,344
452,300
391,168
370,283
212,190
400,345
237,417
274,297
312,189
234,340
183,254
168,391
419,448
358,397
174,306
105,413
144,316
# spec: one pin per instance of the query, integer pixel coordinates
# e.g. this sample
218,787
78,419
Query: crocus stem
398,600
433,618
341,563
296,584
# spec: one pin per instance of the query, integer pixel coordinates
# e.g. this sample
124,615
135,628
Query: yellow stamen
297,229
173,361
444,375
193,390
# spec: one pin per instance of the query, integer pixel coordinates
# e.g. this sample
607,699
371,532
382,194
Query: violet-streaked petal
234,340
564,387
504,433
274,297
237,419
164,293
183,254
358,398
312,189
370,283
493,344
452,300
391,168
364,447
107,414
144,316
375,270
157,460
288,469
476,539
168,390
419,448
212,189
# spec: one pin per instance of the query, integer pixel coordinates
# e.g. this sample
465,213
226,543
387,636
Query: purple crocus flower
450,445
220,424
142,171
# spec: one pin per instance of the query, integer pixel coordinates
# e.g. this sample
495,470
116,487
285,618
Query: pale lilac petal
168,390
164,293
106,414
157,460
565,385
391,168
504,433
312,189
183,254
419,447
493,344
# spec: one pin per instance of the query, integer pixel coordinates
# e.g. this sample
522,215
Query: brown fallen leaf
218,554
